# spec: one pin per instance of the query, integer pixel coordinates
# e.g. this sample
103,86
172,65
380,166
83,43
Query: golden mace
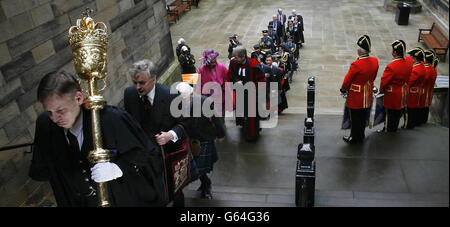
88,41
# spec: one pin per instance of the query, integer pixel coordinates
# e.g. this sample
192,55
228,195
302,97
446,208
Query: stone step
231,196
236,196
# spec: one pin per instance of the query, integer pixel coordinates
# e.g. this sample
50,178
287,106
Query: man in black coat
298,25
277,27
234,42
282,19
149,102
278,76
63,139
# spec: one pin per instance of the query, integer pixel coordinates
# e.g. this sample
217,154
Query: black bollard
311,80
308,131
308,135
311,89
305,176
309,122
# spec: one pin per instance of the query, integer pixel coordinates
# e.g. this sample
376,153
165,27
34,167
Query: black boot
205,187
350,140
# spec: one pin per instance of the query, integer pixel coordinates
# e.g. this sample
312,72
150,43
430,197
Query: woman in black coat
201,130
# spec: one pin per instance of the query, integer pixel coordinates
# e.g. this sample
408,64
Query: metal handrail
18,146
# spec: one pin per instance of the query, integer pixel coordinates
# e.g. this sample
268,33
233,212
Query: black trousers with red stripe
358,122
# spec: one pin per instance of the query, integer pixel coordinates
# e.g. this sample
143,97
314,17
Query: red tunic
409,60
425,86
359,82
430,86
394,83
415,85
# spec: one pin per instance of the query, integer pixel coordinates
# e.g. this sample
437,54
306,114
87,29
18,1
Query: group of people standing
280,29
279,50
407,84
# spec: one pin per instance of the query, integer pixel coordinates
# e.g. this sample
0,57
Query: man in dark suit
277,27
234,42
298,25
278,76
282,19
149,102
63,139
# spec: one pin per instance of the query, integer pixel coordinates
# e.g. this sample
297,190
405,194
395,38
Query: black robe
69,173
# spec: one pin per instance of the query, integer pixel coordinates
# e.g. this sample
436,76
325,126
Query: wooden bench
171,15
435,39
176,8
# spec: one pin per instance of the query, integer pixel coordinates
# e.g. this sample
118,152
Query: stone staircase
227,196
235,196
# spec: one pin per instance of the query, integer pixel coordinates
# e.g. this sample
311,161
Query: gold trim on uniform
366,97
357,86
420,96
363,56
285,57
364,38
397,58
389,88
404,94
414,90
406,118
398,44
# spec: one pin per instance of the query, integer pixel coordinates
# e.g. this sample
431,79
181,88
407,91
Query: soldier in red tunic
415,84
358,84
394,85
428,85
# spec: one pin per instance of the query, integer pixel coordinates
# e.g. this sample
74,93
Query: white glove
105,171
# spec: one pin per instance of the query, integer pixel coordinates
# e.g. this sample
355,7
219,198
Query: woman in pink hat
216,72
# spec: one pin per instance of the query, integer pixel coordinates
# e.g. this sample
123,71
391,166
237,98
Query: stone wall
438,10
439,107
34,41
